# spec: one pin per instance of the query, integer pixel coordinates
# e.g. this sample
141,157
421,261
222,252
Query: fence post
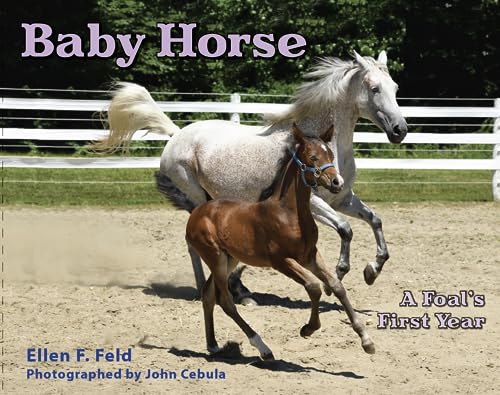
496,154
235,98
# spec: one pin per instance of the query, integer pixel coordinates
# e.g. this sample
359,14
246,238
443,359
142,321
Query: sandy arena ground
95,278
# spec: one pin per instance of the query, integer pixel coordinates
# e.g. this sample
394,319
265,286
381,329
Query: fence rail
235,107
154,162
144,135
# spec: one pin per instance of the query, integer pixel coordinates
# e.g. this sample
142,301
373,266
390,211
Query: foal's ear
298,134
328,135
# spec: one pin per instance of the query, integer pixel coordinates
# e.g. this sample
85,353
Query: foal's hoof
307,330
212,350
328,290
368,346
370,274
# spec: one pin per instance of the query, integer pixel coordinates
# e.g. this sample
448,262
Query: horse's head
315,160
377,101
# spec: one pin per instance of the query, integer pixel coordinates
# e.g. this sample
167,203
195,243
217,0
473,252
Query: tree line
436,49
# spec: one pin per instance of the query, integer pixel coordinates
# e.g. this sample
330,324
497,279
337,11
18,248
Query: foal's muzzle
337,184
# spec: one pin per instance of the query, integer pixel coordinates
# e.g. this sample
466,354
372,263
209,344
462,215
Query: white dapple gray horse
222,159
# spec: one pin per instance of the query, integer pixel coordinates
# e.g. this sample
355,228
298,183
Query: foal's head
315,160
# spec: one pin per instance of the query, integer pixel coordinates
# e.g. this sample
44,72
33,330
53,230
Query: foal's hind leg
319,269
220,274
291,268
208,298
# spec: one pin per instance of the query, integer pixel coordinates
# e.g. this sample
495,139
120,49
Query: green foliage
435,48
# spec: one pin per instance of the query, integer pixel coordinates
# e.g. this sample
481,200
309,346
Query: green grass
424,185
75,187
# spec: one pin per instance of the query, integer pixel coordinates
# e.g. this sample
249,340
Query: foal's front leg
291,268
320,270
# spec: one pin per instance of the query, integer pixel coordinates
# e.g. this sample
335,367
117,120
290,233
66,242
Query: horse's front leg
322,212
357,209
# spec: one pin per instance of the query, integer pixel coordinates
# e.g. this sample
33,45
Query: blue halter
317,171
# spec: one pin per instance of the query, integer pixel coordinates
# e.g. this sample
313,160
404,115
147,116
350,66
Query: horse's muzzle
398,132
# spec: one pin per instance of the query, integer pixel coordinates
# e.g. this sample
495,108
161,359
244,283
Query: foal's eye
375,89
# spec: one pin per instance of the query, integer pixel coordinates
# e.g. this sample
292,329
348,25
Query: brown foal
278,232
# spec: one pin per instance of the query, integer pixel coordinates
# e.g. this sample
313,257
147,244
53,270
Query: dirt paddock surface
95,279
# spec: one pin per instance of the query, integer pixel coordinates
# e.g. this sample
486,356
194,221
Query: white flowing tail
132,108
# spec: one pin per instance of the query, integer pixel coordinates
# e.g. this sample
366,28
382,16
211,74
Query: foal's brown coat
279,232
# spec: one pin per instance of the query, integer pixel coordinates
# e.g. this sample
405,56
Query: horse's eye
314,158
375,89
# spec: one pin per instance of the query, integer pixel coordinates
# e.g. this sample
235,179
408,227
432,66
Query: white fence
235,107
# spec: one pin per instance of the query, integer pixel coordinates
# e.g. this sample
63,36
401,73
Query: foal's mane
282,164
330,79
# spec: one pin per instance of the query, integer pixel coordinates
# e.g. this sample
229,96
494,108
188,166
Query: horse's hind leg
199,275
241,294
225,265
291,268
319,269
183,184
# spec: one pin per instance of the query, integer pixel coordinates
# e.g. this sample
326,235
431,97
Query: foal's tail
167,187
132,108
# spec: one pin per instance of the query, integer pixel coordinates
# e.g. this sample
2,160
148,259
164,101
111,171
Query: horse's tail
167,187
132,108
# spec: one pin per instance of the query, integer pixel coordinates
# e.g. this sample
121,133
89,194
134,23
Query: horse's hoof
369,347
328,290
370,274
307,330
340,274
248,301
267,357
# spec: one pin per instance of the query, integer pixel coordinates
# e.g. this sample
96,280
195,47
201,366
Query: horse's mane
331,77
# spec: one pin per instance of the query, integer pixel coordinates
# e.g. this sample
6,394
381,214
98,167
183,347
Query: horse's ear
382,58
328,135
361,61
298,134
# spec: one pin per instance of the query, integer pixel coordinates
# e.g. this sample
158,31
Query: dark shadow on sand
265,299
231,355
171,291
